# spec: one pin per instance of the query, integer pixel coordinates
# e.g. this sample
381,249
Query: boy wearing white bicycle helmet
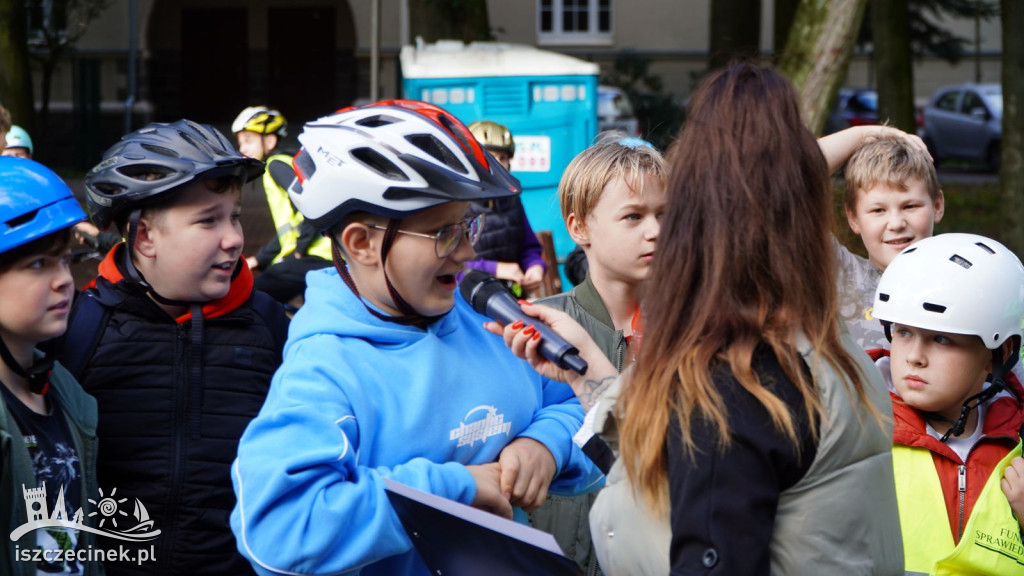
387,373
952,305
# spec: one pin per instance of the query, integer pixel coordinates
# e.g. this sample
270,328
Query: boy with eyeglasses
387,372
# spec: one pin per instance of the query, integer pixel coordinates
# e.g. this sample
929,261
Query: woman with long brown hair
752,426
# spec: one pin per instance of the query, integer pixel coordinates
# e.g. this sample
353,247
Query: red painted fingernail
521,302
517,325
529,330
536,336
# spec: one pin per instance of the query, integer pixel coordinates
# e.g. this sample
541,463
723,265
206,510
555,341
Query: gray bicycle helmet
156,160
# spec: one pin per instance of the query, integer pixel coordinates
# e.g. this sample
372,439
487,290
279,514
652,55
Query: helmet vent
378,120
431,145
23,219
937,308
145,173
961,261
883,297
160,150
985,247
379,163
204,146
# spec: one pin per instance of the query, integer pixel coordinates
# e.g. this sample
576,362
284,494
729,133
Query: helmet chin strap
37,375
999,370
409,317
134,274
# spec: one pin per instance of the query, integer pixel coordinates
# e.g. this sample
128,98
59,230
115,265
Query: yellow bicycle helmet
493,136
261,120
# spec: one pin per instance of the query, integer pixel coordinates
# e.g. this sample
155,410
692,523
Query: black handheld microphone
488,296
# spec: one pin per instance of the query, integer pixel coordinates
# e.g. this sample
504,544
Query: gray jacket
840,518
567,517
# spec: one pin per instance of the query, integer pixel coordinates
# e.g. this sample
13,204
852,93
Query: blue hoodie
358,399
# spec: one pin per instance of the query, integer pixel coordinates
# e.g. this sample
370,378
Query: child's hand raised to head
838,147
509,271
527,468
1013,488
532,278
489,495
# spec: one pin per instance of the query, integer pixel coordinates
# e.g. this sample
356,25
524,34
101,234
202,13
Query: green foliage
657,111
927,37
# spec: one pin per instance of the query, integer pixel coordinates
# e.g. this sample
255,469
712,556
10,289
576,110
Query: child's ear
940,207
270,141
577,230
145,244
851,219
357,243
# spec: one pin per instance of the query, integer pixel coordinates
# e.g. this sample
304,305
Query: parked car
854,107
615,111
965,122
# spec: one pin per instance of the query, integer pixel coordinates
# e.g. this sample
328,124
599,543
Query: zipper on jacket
962,487
180,424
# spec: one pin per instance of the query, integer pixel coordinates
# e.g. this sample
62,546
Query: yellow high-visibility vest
991,542
287,219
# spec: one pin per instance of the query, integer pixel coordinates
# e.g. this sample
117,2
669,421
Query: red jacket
1001,429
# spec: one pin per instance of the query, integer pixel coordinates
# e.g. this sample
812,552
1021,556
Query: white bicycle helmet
956,283
393,159
261,120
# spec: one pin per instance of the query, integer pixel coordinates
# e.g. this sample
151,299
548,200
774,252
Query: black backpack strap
273,314
86,325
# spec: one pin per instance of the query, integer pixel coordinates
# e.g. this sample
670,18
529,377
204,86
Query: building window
574,22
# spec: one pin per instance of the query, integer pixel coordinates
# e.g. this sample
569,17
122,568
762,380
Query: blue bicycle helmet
154,162
34,202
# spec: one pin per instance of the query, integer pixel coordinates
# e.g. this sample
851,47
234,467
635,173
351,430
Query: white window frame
558,37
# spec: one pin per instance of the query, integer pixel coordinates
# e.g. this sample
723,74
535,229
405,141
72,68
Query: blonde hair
615,155
888,159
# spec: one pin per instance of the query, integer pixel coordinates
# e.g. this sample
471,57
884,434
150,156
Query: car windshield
994,97
613,103
864,101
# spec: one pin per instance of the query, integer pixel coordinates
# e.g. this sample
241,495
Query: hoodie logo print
492,424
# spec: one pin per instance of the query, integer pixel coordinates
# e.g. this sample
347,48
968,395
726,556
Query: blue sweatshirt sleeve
554,426
304,503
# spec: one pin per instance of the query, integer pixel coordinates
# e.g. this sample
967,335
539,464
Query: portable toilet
546,99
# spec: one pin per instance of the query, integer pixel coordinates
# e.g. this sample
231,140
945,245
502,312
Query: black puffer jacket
502,236
167,439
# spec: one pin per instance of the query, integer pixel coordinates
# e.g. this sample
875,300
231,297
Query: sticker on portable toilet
533,154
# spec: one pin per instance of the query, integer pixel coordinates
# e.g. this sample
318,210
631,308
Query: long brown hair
744,257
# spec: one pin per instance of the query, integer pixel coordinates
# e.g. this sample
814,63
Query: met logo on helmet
332,160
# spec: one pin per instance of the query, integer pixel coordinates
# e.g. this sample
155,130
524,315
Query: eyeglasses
447,239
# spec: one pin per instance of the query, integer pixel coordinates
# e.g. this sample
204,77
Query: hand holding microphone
488,296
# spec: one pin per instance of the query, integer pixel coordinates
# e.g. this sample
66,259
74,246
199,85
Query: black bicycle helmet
156,160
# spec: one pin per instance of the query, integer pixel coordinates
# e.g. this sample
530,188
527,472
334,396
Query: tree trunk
465,20
818,53
735,31
890,29
15,73
1011,171
782,21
